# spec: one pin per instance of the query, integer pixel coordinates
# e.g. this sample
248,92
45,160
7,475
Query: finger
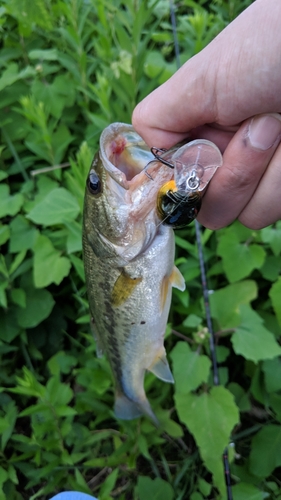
264,207
245,161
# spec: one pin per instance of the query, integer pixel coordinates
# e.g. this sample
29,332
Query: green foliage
190,369
210,417
148,489
68,69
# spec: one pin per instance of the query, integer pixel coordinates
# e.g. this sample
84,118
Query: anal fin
162,370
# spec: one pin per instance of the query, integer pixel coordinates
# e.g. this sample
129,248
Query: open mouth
128,152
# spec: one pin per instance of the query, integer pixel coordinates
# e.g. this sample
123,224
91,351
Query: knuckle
252,220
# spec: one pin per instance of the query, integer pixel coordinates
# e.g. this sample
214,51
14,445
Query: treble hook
155,152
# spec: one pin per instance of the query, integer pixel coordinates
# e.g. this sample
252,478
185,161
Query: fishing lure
194,164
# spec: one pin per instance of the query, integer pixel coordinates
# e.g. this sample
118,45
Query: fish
128,257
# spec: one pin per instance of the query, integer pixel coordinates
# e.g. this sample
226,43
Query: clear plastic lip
195,163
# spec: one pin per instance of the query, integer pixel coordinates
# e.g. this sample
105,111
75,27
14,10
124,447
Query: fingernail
264,130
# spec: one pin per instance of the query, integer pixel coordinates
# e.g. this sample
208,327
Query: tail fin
126,409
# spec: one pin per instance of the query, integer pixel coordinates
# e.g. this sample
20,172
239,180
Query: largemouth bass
129,265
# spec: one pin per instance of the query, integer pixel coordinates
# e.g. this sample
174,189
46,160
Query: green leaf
61,139
13,474
78,266
3,425
18,296
196,496
272,236
222,353
3,297
108,484
9,76
245,491
44,186
3,266
58,393
241,398
23,235
252,340
192,321
239,259
4,234
3,175
81,482
10,418
9,325
156,67
190,369
44,55
61,362
190,269
275,296
49,266
265,453
272,374
210,417
9,204
99,381
17,262
271,268
39,304
226,301
3,478
168,425
55,96
74,237
144,446
275,404
154,489
28,13
57,207
204,487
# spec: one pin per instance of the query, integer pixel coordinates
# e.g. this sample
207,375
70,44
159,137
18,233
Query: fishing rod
205,289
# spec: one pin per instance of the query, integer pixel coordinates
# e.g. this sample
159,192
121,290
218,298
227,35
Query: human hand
229,93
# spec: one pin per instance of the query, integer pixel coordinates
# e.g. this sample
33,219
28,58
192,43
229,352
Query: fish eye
94,183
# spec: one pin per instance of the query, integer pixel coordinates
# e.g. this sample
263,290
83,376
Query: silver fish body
129,265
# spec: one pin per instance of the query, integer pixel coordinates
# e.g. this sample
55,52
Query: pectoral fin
162,370
123,288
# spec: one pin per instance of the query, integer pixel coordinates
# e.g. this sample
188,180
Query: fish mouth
124,153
